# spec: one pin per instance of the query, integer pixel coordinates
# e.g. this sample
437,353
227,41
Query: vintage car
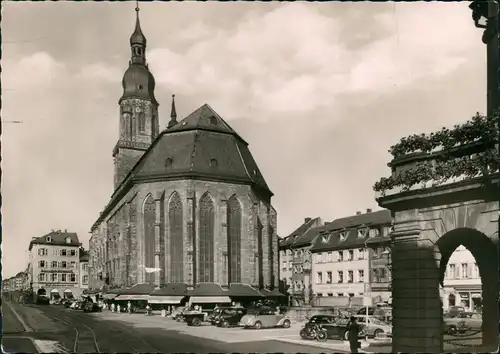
91,307
453,325
374,327
229,317
216,312
194,317
42,300
264,317
335,327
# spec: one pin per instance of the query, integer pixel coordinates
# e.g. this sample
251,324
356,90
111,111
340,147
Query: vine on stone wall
448,165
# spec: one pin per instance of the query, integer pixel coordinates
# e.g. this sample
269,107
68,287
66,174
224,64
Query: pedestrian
118,308
112,307
129,307
354,335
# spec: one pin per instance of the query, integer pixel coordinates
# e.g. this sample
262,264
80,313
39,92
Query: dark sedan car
229,317
91,307
336,328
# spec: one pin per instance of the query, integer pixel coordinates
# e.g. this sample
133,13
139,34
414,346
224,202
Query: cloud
100,72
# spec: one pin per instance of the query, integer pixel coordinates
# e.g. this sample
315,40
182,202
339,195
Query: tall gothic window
142,122
149,236
260,274
176,239
234,239
206,235
271,254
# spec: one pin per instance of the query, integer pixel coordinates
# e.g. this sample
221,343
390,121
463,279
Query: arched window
142,122
234,239
176,239
206,234
149,236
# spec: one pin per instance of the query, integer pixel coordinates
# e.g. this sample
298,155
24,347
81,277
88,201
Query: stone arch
149,215
234,223
176,240
485,253
206,239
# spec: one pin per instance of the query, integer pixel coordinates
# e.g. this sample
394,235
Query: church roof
201,146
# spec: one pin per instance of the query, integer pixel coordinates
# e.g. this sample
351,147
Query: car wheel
322,335
345,335
303,334
452,330
377,333
225,324
286,324
257,325
196,322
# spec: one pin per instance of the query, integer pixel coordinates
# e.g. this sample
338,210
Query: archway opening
54,295
469,289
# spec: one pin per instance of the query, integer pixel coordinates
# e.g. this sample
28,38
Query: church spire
138,41
173,114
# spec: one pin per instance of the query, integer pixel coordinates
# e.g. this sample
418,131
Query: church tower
139,124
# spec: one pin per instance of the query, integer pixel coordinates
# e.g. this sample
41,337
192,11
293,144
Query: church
190,205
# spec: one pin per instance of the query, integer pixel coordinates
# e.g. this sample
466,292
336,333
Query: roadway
56,329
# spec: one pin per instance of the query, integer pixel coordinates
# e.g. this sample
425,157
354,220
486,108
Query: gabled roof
201,146
343,233
297,234
56,238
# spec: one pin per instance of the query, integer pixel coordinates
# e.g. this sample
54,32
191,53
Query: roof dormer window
324,239
343,236
68,239
49,239
362,233
374,232
212,120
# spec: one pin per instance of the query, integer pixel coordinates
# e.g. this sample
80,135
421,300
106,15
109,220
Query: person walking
354,335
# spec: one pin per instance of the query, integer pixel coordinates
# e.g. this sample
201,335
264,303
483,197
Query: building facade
190,204
344,255
295,260
54,260
83,276
462,282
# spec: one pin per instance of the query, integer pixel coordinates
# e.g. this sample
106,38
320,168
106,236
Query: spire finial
137,7
173,114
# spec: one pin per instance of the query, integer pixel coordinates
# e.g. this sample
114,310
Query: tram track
115,334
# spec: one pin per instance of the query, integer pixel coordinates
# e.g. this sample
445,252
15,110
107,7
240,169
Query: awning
68,291
174,300
109,296
210,300
132,297
53,291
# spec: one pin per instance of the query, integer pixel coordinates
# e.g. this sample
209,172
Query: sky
320,91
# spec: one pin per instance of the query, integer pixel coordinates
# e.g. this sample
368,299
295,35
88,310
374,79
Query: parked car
453,325
77,305
229,317
264,317
42,300
67,303
216,312
374,327
193,317
91,307
455,311
336,328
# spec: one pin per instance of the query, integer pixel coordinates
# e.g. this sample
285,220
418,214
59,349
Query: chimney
368,210
33,239
306,220
358,213
52,230
66,230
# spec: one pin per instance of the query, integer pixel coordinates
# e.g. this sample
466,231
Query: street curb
25,326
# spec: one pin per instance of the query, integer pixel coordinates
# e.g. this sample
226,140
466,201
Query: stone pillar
221,250
417,311
158,274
